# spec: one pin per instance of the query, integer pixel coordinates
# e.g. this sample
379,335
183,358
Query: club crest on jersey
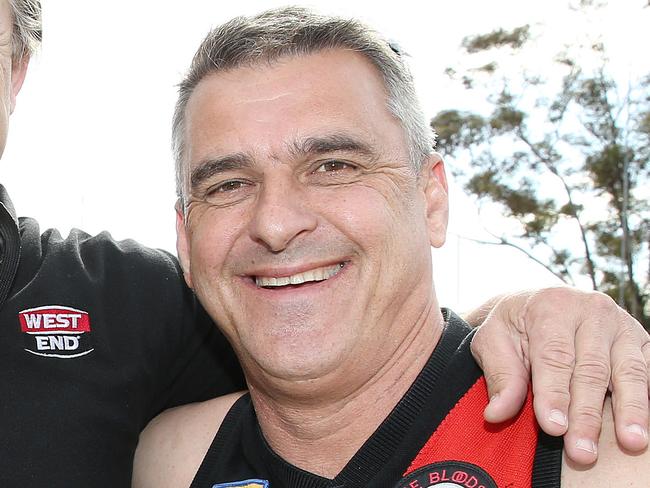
56,331
244,484
448,474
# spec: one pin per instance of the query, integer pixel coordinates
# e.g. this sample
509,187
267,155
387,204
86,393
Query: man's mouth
312,275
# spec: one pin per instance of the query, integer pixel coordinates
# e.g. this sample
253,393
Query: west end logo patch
56,331
448,474
243,484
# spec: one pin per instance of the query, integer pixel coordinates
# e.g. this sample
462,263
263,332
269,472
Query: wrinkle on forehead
265,99
307,105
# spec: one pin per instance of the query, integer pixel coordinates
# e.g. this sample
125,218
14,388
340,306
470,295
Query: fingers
609,347
505,370
507,395
571,336
630,387
588,389
577,344
552,362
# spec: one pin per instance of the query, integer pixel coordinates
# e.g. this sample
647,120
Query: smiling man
302,181
101,335
310,198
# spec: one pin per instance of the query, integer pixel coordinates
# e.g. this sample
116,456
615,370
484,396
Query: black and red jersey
434,437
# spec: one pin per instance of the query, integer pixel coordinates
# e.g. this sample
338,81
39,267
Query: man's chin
294,364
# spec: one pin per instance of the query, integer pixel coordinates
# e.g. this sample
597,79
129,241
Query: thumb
506,374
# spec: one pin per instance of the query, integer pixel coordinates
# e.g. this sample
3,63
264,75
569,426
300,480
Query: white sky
89,141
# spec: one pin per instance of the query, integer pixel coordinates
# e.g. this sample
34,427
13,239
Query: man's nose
281,214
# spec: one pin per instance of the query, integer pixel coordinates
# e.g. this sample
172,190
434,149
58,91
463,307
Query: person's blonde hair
27,27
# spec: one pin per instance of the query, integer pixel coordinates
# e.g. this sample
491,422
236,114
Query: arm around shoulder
172,446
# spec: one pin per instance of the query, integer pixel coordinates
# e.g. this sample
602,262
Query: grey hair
294,31
27,27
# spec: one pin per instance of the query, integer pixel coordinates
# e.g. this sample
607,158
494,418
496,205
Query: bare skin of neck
321,432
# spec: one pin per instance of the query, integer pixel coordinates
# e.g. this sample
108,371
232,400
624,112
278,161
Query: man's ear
18,72
437,198
182,243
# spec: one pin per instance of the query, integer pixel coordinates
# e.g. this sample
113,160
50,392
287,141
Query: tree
562,158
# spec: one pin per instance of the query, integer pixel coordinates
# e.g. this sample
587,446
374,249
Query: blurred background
542,108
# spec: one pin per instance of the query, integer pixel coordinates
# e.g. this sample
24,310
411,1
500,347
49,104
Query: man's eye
226,186
333,165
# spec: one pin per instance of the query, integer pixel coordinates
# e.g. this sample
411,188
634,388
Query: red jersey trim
505,451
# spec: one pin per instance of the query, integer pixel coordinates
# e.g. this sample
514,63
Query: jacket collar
9,244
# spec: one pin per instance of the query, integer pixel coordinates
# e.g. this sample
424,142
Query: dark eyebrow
310,145
210,167
331,143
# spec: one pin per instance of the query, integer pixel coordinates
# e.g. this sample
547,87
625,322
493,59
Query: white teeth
318,274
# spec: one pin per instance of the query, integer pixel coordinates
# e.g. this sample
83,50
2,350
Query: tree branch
567,189
505,242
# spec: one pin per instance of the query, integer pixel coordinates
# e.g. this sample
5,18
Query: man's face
11,74
307,234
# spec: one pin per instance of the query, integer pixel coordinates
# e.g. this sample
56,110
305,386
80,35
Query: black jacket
97,337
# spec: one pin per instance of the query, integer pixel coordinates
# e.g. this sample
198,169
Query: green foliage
497,39
566,161
458,130
570,209
606,170
506,119
644,123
